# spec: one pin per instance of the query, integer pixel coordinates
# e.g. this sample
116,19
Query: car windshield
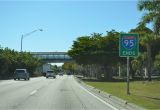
79,54
49,71
20,71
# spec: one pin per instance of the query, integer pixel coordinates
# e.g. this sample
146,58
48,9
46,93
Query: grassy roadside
145,94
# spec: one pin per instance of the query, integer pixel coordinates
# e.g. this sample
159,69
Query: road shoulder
113,100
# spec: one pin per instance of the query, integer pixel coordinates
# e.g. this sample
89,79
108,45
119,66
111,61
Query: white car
50,74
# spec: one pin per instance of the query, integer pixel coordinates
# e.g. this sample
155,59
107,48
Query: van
21,74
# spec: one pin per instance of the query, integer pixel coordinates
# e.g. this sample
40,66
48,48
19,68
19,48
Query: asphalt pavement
62,93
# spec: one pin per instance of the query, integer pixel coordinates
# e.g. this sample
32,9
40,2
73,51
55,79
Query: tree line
98,55
11,60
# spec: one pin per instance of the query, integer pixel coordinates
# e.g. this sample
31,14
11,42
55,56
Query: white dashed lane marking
33,92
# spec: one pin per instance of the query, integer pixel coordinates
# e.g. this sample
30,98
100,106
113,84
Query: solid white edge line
111,106
33,92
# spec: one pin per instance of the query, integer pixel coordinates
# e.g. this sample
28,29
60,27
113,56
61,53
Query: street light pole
25,35
21,42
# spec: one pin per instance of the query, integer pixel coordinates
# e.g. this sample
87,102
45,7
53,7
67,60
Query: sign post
128,92
128,47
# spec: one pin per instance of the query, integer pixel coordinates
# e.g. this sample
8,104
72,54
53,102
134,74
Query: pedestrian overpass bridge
52,57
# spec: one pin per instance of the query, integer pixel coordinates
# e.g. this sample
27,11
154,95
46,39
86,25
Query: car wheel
28,79
14,78
18,78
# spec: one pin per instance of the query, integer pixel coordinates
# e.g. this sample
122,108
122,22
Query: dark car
155,72
21,74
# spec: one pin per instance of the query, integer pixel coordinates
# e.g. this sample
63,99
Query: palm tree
147,38
152,9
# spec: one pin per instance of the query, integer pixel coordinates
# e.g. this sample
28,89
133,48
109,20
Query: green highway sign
128,45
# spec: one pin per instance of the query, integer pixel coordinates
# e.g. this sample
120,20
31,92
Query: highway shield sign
128,45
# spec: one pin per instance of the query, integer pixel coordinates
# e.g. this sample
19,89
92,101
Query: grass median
145,94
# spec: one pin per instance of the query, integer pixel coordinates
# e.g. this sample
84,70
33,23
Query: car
21,74
60,74
69,73
50,74
155,72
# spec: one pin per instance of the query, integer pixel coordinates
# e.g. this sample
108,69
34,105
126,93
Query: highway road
62,93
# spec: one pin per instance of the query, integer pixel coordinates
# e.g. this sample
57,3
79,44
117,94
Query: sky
62,21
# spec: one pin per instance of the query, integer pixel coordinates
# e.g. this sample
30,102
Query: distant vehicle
21,74
50,74
45,68
69,73
155,72
60,74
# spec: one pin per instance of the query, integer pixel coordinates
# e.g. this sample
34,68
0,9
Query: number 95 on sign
128,45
